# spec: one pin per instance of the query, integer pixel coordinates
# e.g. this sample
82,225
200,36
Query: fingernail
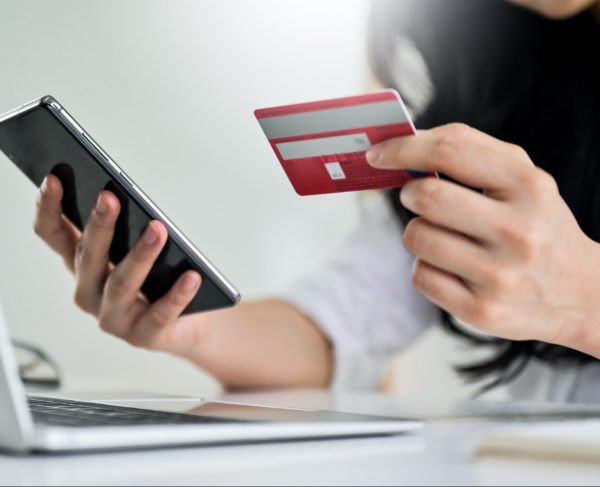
100,205
150,237
374,155
190,281
44,185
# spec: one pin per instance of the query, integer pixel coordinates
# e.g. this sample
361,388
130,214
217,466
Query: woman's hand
511,261
265,344
112,293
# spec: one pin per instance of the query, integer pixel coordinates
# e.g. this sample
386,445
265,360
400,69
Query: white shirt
364,301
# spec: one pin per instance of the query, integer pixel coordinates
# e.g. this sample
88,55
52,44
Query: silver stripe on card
344,118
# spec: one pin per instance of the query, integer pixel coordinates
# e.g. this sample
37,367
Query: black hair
521,78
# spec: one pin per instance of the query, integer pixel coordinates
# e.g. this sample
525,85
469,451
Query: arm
263,344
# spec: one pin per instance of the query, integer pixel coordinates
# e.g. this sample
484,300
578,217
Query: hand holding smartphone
41,138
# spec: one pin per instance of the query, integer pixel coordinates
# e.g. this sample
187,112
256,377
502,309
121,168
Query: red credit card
321,145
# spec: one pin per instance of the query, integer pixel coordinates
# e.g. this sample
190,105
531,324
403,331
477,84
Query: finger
155,326
91,259
446,250
50,224
124,282
443,289
451,206
461,152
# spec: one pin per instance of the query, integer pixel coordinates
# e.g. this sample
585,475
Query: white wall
168,88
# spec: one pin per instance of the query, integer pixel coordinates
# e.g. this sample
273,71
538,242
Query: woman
500,243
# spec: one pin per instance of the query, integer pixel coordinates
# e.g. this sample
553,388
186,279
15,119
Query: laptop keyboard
63,412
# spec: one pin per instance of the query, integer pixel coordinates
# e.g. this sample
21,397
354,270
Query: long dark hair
521,78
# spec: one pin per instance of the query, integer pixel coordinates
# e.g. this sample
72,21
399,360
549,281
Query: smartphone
42,138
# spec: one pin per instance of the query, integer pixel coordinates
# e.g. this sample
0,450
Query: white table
441,455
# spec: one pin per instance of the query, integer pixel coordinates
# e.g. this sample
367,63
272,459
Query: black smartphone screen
39,144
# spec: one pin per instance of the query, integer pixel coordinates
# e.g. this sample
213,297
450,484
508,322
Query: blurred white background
168,88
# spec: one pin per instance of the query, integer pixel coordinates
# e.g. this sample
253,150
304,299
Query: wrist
580,326
189,337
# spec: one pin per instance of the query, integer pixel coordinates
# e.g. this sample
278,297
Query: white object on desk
566,441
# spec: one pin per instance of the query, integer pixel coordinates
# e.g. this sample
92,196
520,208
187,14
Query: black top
510,73
519,77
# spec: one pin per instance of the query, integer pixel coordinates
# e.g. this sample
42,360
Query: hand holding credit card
321,145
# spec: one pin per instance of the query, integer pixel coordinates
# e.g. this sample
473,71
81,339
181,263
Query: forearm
264,344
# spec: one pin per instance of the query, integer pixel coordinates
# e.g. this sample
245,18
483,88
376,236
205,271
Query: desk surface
441,455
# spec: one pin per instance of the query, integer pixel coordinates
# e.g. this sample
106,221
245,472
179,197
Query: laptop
42,423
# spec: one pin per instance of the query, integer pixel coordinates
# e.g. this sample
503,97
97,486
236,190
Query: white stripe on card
324,146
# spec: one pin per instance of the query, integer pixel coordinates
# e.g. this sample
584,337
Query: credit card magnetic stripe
334,119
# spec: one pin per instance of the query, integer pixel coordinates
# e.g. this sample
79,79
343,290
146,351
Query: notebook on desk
43,424
570,441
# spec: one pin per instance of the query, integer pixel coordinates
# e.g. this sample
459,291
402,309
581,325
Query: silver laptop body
23,429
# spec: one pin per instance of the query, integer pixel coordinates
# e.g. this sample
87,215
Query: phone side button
126,178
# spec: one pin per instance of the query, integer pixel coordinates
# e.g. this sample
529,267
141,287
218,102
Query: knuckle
105,324
517,152
538,182
458,131
429,196
534,246
544,184
149,342
419,276
135,340
451,141
178,299
81,299
95,223
37,228
85,257
111,324
526,241
446,149
420,244
486,314
522,237
115,285
509,231
500,278
141,254
159,318
412,234
102,221
417,279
